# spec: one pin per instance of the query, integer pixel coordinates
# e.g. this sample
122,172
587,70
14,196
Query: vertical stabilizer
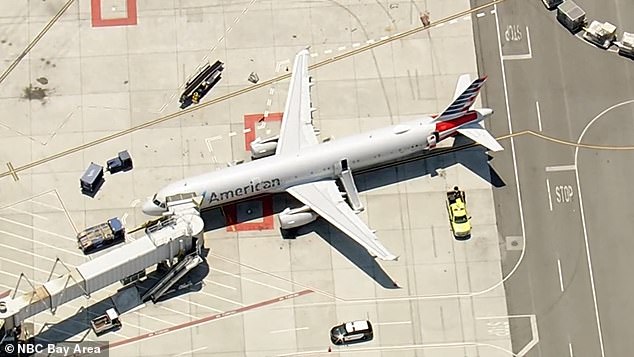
464,100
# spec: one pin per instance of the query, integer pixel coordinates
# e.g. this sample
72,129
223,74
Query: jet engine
432,140
296,217
263,147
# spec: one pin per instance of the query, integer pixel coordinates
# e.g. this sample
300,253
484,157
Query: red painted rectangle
98,21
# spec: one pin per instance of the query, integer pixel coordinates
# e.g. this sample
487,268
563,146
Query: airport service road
557,84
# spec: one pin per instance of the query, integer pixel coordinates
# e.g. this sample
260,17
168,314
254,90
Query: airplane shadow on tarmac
464,152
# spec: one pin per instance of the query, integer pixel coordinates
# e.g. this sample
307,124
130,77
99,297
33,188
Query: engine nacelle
296,217
263,147
432,140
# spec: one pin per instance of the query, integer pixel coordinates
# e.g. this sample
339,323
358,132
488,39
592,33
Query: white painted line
550,197
341,48
528,39
392,323
244,10
384,38
47,205
215,138
235,21
493,11
124,217
517,57
191,352
466,18
268,131
278,66
229,29
135,202
480,14
570,349
223,285
539,116
251,280
199,305
561,278
356,44
269,102
28,253
370,41
40,243
560,168
290,329
29,213
178,312
441,24
36,229
271,91
314,54
327,51
247,130
233,133
209,147
266,115
454,21
221,298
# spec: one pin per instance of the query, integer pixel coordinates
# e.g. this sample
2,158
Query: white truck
101,235
626,46
600,34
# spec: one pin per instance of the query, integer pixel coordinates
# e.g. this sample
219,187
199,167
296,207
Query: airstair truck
101,235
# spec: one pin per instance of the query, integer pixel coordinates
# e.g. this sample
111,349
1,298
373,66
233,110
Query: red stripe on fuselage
444,126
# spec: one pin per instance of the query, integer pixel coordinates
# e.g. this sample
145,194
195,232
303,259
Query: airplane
309,170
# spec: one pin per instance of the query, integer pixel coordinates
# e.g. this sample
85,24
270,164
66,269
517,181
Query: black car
202,83
351,332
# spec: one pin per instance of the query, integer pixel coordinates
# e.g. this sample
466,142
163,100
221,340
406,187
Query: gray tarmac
569,210
258,295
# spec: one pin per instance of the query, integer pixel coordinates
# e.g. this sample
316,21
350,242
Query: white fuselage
276,173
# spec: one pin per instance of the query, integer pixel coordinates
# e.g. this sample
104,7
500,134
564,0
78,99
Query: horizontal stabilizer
481,136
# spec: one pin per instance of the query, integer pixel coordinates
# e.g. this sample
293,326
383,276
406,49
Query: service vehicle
101,236
571,16
552,4
123,162
600,34
106,322
92,179
458,217
626,46
201,84
352,332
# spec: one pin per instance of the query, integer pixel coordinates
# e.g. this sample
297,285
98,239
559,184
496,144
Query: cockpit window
158,203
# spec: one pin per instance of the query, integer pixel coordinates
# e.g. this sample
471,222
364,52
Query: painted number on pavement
513,33
564,193
498,328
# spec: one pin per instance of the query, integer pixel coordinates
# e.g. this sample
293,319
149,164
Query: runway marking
191,351
207,319
454,21
12,171
560,168
25,252
513,154
290,329
583,221
466,18
271,90
360,351
480,14
550,197
217,283
229,29
249,280
561,278
269,102
539,116
356,44
370,41
570,349
278,66
28,213
177,312
314,54
38,242
36,229
384,38
327,51
247,130
341,48
528,55
233,133
221,298
47,205
392,323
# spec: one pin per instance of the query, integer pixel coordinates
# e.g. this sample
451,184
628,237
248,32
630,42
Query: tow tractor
458,218
106,322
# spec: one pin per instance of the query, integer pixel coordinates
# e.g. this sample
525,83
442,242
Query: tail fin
463,98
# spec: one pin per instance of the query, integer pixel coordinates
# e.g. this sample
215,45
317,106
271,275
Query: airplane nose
151,209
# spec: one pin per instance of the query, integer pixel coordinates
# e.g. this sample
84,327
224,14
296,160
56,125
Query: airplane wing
297,125
481,136
324,198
